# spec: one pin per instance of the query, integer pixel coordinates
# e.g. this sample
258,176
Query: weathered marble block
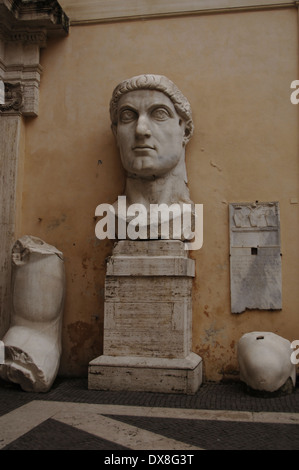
146,374
148,308
148,320
33,341
265,361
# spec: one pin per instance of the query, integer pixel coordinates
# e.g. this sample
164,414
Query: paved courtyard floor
222,416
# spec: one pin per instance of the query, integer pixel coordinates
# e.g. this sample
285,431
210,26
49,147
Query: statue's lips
143,147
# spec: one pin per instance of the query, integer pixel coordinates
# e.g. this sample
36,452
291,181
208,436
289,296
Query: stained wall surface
236,70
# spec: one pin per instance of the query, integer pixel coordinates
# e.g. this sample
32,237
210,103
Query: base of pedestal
146,374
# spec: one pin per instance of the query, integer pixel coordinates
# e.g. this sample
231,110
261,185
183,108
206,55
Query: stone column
24,29
10,126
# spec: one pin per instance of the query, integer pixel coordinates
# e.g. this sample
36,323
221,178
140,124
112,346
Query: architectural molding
24,29
93,11
40,13
25,36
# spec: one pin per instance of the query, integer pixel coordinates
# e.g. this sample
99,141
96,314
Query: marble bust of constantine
152,124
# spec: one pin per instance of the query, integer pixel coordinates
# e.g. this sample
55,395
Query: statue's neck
168,189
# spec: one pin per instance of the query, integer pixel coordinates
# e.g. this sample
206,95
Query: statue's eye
127,115
161,114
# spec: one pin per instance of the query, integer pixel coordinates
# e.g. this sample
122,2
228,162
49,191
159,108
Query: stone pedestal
148,321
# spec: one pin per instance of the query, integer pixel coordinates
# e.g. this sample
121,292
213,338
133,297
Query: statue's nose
143,127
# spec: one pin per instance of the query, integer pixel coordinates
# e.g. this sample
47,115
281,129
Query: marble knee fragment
265,361
33,341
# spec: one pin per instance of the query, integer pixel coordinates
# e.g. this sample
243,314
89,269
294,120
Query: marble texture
265,361
33,340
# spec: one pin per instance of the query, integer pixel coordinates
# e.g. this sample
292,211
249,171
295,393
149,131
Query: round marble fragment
265,361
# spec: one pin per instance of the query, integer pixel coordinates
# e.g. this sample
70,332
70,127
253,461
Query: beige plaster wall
236,70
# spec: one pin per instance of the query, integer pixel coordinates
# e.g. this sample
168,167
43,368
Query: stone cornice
26,23
25,36
38,13
95,11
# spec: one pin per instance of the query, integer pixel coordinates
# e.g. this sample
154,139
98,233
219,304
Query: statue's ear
114,130
188,133
185,135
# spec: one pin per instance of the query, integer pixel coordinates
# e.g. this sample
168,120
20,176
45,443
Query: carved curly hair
159,83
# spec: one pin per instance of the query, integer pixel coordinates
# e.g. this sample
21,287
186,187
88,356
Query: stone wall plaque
255,256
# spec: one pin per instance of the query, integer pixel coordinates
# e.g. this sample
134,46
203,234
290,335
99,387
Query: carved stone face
149,133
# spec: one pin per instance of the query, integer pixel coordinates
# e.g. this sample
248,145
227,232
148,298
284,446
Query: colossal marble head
152,123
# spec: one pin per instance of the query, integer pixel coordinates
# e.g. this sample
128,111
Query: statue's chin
149,176
149,172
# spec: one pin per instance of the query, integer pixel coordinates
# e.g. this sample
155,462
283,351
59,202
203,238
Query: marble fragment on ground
265,361
33,341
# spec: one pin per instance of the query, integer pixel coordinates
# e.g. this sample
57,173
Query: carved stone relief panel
13,94
255,256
